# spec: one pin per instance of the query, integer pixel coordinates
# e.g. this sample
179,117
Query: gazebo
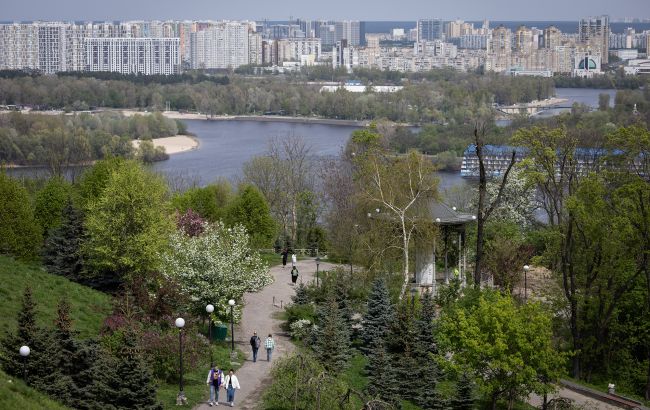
452,225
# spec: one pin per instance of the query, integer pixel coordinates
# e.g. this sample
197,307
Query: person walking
231,384
294,259
269,344
285,254
294,275
255,345
215,380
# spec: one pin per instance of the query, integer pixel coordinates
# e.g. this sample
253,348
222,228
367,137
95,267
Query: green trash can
220,332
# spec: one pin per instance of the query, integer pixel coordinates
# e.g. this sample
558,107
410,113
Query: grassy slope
14,394
89,307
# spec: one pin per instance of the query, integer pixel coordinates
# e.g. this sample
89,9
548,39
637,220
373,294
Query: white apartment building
18,46
293,49
224,45
344,55
133,55
255,49
349,30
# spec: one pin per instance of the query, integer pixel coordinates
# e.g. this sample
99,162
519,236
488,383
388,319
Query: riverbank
173,145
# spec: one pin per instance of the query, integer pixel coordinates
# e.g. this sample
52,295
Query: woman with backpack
215,380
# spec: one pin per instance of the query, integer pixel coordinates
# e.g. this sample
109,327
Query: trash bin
220,333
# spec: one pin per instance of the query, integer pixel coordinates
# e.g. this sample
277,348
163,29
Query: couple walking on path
269,345
294,271
216,380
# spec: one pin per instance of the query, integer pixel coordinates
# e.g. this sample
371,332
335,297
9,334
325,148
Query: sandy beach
173,145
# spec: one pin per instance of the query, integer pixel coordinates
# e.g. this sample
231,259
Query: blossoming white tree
214,267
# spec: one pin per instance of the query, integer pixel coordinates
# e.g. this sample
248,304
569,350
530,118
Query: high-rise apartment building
294,48
523,39
594,31
501,41
552,37
350,30
52,47
429,29
344,55
458,28
133,55
255,50
225,45
18,46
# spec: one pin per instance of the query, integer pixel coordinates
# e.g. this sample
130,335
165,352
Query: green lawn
89,307
194,387
14,394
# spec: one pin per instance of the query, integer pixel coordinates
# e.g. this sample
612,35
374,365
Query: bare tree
485,208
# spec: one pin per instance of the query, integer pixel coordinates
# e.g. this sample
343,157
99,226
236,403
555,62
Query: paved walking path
260,315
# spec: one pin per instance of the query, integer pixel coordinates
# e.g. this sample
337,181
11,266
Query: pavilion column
461,276
433,284
446,258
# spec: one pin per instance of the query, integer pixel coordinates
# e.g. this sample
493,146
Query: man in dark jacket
255,345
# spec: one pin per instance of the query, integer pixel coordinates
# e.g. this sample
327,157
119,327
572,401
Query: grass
88,306
14,394
196,391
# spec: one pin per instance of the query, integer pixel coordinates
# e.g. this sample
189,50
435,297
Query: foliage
190,223
62,250
507,347
94,180
15,394
378,317
302,295
127,226
209,202
214,267
331,336
506,253
381,377
299,381
250,209
464,397
300,329
50,202
20,234
148,153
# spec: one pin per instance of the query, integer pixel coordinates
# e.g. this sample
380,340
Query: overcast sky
326,9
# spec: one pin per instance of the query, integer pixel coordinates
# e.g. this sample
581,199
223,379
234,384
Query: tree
464,397
301,297
331,337
94,180
190,223
64,388
128,225
401,186
508,347
50,202
378,317
20,234
250,210
485,208
214,267
62,250
124,381
381,378
210,202
506,253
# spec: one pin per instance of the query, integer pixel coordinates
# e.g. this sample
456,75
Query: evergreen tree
61,254
331,337
464,399
301,297
378,317
124,381
402,348
381,380
85,361
64,346
428,372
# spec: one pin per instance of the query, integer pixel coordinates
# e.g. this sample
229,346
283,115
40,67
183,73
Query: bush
300,312
20,234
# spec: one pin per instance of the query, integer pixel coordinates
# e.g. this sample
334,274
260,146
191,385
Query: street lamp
231,302
414,291
210,309
24,352
317,265
526,269
180,399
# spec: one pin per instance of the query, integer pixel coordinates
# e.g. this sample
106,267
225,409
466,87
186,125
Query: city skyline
380,10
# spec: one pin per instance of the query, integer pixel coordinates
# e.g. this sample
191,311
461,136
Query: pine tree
86,361
379,315
464,398
331,337
381,380
428,372
124,381
65,348
401,346
61,253
301,297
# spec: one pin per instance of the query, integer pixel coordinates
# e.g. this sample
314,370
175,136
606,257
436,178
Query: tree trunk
493,401
294,222
569,283
405,244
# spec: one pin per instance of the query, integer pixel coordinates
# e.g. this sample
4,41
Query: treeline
617,80
442,96
191,77
60,141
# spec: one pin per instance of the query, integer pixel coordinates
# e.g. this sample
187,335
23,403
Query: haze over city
334,9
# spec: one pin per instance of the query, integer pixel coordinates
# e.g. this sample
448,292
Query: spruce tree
464,397
64,348
331,336
301,297
381,377
86,362
428,372
124,381
379,314
61,253
27,333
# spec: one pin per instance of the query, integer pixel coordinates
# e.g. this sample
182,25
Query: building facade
594,31
429,29
148,56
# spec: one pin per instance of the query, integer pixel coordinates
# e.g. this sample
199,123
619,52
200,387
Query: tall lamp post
24,352
231,302
210,309
180,399
317,265
526,269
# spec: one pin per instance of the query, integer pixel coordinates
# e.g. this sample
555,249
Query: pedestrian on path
231,384
269,344
255,345
215,380
285,254
294,259
294,275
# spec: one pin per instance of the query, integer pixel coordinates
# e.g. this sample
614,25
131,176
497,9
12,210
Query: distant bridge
529,108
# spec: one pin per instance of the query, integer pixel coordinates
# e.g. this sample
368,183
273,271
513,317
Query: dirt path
581,401
260,315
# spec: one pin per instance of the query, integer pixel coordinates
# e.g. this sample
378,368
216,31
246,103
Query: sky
519,10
